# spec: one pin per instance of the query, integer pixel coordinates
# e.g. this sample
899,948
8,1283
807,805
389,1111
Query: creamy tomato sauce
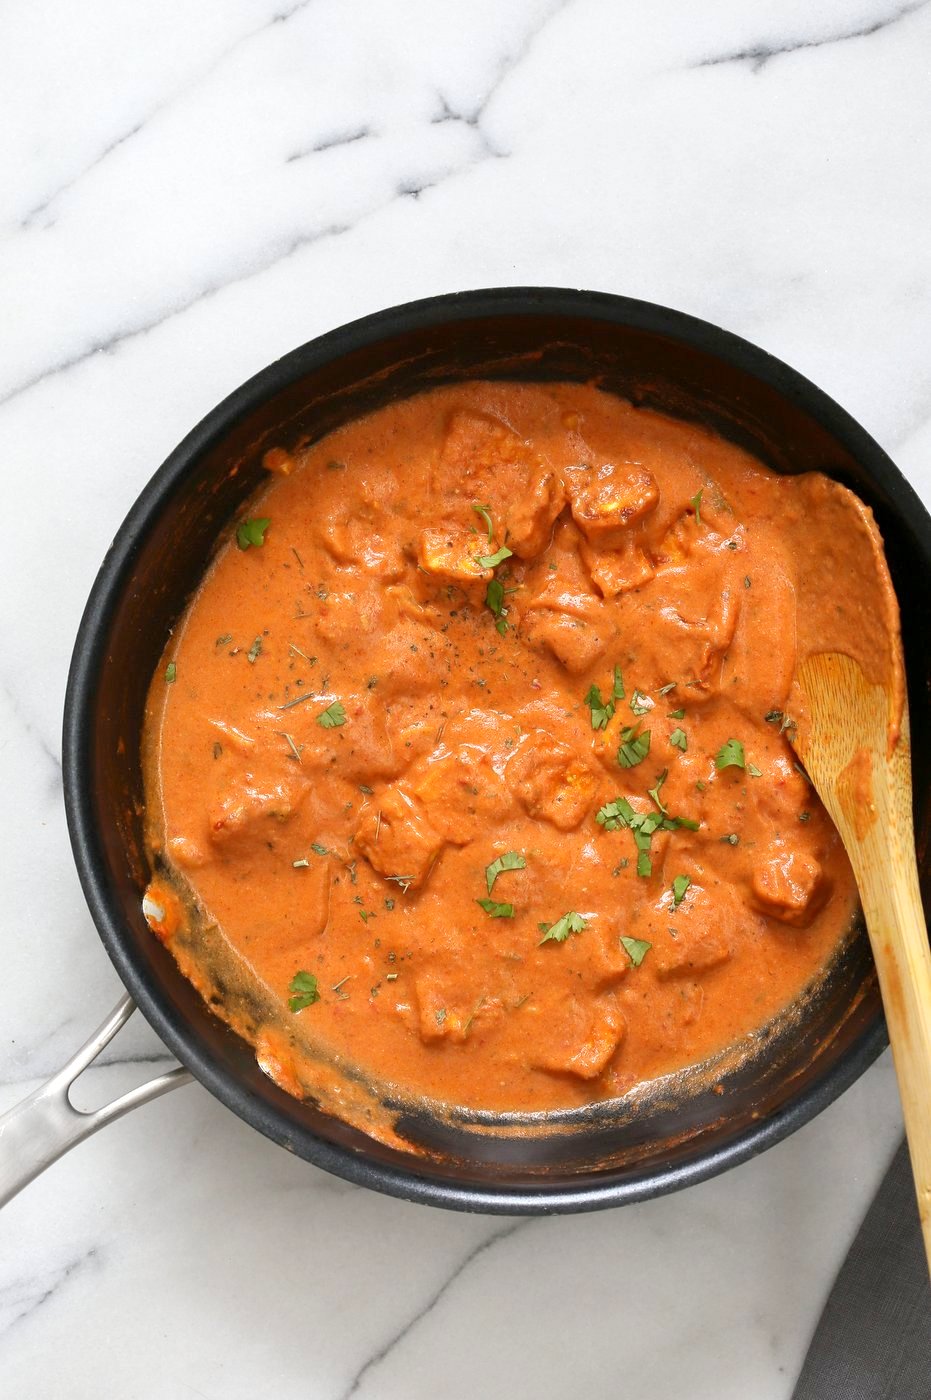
470,758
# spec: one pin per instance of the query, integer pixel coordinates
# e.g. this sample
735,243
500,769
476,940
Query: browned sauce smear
357,853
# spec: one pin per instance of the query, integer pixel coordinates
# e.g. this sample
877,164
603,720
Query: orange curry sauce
475,620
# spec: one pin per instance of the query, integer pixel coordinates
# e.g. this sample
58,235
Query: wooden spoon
854,743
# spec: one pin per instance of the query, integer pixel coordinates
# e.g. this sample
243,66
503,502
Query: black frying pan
680,1131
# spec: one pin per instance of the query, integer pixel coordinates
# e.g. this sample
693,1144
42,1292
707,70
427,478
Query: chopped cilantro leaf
495,910
754,771
255,651
494,601
677,714
644,865
615,814
332,717
251,532
618,687
560,931
171,673
319,850
695,503
679,739
304,987
511,860
485,513
640,704
634,747
636,949
730,755
679,886
491,561
600,711
655,791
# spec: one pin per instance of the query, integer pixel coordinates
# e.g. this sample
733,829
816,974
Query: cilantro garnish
511,860
636,949
655,791
255,651
304,987
695,503
754,771
730,755
679,739
485,513
560,931
634,746
677,714
251,532
603,710
615,814
494,910
171,673
494,600
332,717
491,561
640,703
679,886
620,813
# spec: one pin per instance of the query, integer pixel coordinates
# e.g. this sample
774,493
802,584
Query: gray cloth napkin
874,1338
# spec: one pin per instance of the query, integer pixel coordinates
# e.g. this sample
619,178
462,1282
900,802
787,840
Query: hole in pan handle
44,1126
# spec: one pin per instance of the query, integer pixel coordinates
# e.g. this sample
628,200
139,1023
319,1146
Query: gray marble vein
22,1297
372,1362
758,55
35,214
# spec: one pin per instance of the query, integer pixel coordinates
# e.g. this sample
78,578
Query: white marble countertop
187,191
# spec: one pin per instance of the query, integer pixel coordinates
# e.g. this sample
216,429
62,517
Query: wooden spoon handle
892,905
867,789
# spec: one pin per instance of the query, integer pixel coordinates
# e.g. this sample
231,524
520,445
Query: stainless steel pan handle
40,1129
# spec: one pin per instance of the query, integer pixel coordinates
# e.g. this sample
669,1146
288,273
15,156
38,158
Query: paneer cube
615,571
453,553
481,453
462,792
398,840
249,802
550,782
449,1010
582,1035
575,642
689,955
530,518
789,885
607,500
